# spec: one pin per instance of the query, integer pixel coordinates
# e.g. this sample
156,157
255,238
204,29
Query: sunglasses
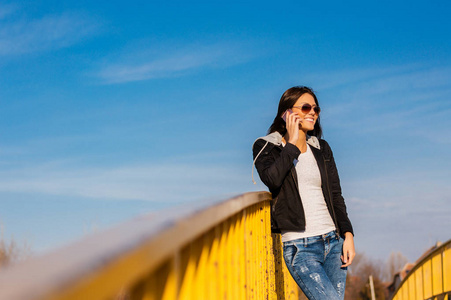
306,108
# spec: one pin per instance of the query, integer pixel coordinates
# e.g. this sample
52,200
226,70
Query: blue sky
110,110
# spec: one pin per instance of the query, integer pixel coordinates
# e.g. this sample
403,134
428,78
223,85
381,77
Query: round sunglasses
306,108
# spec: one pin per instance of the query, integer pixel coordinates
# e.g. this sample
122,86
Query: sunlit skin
298,124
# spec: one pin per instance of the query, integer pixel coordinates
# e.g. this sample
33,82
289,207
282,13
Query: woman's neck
301,142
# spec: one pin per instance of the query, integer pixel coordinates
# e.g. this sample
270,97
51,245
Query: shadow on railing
219,250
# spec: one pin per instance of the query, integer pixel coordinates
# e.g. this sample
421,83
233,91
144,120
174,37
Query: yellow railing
430,278
223,250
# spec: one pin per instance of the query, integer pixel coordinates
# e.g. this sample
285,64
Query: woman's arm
340,207
272,170
337,199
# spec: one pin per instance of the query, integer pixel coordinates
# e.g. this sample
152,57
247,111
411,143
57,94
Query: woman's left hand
348,250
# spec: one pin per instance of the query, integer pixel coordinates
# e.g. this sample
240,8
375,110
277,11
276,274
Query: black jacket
275,166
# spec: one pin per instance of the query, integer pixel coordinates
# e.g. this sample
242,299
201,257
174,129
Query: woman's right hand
292,123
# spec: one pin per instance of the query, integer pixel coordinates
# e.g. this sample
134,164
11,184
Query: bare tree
363,267
357,286
396,261
11,251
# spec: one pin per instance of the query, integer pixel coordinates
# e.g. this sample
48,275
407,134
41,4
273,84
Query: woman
308,209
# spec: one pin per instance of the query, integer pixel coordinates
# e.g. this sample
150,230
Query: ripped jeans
315,264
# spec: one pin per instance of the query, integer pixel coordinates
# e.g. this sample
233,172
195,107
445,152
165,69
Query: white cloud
382,80
385,99
348,78
415,204
171,60
399,194
22,35
176,182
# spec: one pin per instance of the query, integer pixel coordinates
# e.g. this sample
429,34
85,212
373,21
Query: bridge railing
430,278
219,250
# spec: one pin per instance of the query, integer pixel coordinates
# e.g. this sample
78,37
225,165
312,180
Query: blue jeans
315,265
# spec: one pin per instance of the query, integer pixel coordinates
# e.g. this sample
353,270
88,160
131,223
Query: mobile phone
284,116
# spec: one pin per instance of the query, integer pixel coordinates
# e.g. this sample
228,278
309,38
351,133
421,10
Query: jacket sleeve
273,170
337,199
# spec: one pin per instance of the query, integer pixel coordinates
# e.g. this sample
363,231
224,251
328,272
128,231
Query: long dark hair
287,101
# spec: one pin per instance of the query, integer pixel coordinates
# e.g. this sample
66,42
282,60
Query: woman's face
308,119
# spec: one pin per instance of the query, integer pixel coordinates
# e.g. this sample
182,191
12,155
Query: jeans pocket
289,253
337,246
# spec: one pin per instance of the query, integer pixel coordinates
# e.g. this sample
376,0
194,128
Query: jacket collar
276,139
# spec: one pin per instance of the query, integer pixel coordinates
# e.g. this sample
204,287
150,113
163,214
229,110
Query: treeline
357,283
